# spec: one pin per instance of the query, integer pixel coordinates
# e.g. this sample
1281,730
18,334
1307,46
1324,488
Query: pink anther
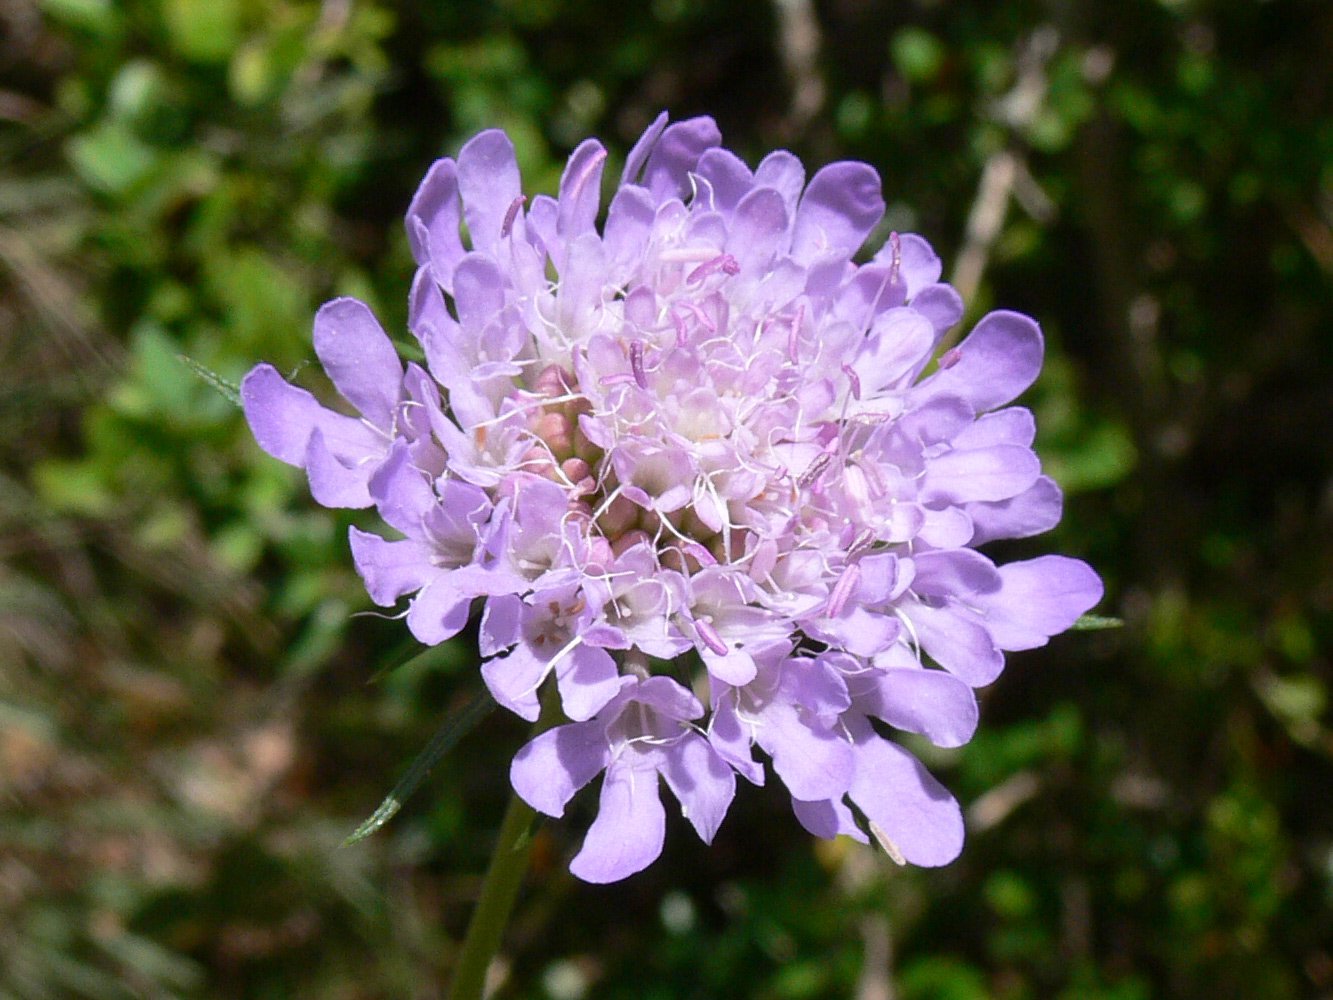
724,262
636,364
710,637
853,378
507,226
842,590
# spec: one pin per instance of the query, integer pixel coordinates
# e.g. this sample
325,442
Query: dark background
192,714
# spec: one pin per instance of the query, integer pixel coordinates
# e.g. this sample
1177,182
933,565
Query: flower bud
628,540
557,431
579,473
620,515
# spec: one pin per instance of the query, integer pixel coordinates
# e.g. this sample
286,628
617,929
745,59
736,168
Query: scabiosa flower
694,455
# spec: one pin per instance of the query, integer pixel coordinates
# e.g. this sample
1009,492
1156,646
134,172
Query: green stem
503,879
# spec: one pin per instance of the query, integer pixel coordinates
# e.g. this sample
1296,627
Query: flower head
700,427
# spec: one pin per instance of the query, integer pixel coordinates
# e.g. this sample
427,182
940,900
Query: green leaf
918,54
95,15
205,31
454,729
110,158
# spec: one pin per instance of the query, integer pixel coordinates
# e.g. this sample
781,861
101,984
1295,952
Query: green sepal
230,391
1095,623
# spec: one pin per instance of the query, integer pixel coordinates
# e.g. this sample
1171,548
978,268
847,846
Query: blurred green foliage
193,715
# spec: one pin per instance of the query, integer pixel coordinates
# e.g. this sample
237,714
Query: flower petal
985,474
899,342
727,175
489,180
334,483
513,681
675,154
813,761
954,573
735,667
840,207
899,796
783,172
439,611
360,359
940,304
758,230
958,642
479,293
1033,511
1039,598
433,222
581,189
630,828
817,686
588,679
668,698
859,631
390,569
629,222
701,781
551,767
920,264
639,154
403,493
732,738
280,415
935,704
500,624
999,359
828,818
1011,426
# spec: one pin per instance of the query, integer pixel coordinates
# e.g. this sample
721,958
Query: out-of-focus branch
876,981
16,107
798,45
992,807
1006,175
862,874
1314,233
983,223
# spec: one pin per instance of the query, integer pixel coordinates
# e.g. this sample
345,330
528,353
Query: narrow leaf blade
454,729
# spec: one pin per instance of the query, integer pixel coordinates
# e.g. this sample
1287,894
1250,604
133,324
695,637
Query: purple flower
340,453
698,433
643,732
